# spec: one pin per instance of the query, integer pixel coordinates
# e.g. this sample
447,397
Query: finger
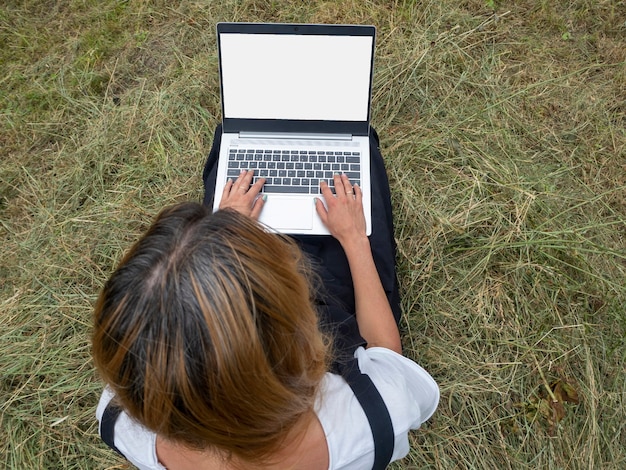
246,180
340,191
237,184
348,189
358,194
326,191
256,187
227,188
257,207
321,210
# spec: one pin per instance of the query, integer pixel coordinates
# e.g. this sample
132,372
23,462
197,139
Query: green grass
502,125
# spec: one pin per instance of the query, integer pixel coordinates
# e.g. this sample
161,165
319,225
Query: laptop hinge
289,135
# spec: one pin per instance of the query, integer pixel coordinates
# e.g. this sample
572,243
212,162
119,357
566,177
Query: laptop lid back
296,78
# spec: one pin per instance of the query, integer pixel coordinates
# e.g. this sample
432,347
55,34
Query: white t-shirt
410,393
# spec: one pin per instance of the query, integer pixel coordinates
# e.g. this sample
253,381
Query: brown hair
207,334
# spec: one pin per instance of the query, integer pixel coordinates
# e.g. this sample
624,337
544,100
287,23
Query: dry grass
503,129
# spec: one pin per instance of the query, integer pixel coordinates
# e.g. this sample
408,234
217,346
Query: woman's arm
345,220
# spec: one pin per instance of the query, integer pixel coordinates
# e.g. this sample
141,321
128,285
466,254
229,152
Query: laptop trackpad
284,213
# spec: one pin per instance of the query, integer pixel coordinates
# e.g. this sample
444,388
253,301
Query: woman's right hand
243,196
343,213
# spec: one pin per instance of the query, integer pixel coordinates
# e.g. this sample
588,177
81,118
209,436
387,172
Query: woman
226,346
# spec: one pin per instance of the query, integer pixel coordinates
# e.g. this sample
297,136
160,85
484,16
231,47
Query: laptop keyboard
294,171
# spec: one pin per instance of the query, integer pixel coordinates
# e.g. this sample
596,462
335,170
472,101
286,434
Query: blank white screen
307,77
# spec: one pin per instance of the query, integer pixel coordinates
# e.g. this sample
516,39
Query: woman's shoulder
409,392
137,443
398,377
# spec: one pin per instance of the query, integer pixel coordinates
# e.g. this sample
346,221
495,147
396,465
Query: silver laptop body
296,109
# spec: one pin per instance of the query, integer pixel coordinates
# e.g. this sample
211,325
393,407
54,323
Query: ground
503,129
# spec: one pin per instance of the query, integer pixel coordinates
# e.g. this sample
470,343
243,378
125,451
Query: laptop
295,109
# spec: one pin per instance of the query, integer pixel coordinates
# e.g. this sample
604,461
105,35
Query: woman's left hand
343,215
243,197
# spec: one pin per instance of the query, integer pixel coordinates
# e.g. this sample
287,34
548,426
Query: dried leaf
558,411
564,392
543,407
571,394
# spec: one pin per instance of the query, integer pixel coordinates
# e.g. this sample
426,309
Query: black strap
376,411
107,426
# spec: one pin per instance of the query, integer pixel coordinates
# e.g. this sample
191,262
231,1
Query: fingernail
314,200
230,180
264,197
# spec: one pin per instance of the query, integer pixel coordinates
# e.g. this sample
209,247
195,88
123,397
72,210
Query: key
286,189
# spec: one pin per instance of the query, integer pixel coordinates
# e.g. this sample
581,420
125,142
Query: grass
503,128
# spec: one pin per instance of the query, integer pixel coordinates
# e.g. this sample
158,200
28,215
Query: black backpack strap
376,411
107,426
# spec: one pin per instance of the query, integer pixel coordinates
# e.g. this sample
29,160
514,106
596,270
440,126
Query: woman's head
207,334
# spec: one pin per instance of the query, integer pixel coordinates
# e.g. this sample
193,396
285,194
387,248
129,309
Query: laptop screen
280,76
